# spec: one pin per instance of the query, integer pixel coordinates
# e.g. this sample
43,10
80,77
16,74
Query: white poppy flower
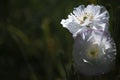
94,52
95,17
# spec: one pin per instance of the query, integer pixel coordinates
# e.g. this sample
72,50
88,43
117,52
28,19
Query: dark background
35,46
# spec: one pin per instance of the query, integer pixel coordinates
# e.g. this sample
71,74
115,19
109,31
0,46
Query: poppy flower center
93,51
85,17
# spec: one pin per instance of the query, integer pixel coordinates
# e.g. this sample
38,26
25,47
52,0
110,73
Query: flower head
95,17
94,52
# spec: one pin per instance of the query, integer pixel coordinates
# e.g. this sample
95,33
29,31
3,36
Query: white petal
103,15
100,25
89,8
96,10
79,11
71,26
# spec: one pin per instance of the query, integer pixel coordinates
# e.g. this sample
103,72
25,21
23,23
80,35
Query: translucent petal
103,14
94,52
79,11
71,26
99,25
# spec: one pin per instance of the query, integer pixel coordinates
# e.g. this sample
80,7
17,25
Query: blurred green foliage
35,46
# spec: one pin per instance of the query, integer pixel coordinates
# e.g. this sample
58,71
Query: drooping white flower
92,16
94,52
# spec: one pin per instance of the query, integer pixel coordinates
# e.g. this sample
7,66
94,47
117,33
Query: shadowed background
35,46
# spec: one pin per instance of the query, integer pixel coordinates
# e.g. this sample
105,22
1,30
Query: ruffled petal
71,26
79,11
99,25
103,15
